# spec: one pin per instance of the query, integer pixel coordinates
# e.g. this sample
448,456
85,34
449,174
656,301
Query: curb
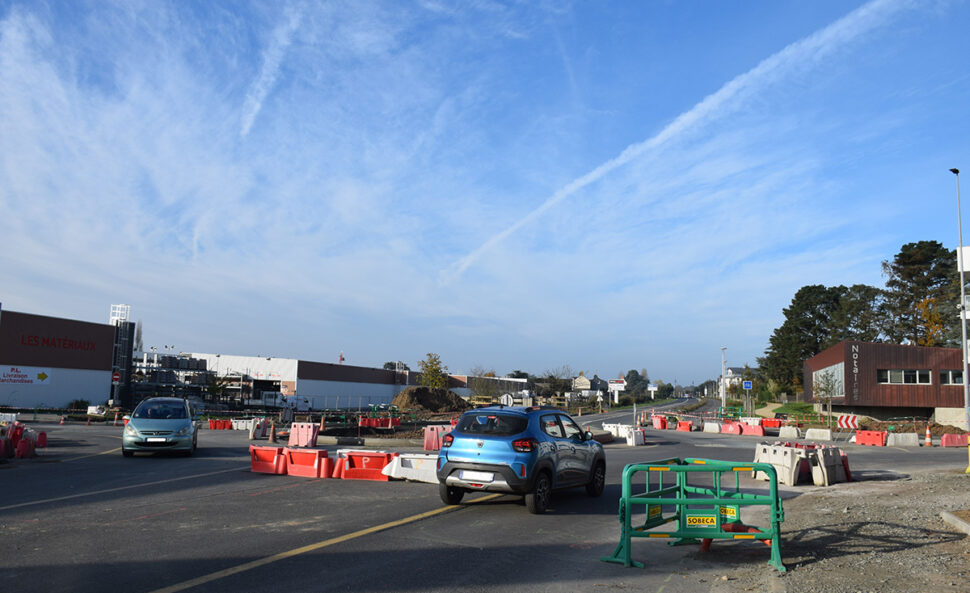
955,521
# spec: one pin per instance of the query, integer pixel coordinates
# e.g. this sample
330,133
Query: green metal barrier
729,413
700,512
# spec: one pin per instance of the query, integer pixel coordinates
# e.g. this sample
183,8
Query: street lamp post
963,317
721,382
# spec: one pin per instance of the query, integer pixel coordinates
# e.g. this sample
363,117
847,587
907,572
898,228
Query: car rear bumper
503,478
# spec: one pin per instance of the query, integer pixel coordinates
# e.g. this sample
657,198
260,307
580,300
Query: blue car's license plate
474,476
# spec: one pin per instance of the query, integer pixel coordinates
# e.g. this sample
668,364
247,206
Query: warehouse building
889,381
47,362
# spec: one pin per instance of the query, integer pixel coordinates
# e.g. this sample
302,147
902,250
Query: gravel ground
880,535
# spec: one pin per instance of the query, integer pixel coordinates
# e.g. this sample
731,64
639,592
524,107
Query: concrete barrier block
789,432
712,427
818,434
902,439
417,467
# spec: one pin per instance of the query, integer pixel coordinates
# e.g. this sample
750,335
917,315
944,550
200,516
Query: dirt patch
884,536
437,401
918,427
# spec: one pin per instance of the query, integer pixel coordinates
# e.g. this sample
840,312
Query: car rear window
492,424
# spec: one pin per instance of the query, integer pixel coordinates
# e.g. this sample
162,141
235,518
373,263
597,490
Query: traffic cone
89,421
929,437
272,432
116,419
62,419
323,422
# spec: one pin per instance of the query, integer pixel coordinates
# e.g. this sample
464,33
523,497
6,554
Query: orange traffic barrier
303,434
747,429
308,463
685,426
42,439
845,466
875,438
954,440
771,422
338,468
4,447
268,460
364,465
433,435
731,428
660,422
25,449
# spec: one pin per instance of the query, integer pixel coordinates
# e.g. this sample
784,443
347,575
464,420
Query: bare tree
483,385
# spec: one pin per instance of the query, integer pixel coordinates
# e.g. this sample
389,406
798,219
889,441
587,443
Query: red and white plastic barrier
954,440
433,435
267,460
308,463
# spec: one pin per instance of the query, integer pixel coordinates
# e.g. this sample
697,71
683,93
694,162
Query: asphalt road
80,517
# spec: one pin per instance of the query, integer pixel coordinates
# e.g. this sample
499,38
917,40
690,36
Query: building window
951,378
905,376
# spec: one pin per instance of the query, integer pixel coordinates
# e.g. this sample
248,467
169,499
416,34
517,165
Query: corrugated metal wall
863,360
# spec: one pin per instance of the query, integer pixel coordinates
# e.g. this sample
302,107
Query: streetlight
963,306
723,373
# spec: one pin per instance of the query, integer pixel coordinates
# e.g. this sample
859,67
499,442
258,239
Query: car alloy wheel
537,501
596,483
450,494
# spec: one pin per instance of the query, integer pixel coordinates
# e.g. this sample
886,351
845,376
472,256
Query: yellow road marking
310,548
93,493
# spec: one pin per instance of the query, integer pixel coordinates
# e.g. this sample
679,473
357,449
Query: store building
47,362
889,381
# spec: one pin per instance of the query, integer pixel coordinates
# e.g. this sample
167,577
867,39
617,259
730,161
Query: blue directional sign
747,385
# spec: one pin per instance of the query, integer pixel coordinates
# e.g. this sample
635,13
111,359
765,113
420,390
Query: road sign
115,378
848,421
747,385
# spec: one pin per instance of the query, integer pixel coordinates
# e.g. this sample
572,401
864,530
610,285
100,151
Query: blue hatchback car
516,450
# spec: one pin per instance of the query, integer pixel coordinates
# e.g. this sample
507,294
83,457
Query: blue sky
604,185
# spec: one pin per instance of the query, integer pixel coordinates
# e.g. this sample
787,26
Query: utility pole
721,382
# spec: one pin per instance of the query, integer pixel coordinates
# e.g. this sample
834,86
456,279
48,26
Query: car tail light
524,445
446,442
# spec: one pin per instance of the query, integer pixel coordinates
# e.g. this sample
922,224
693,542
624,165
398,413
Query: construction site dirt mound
431,400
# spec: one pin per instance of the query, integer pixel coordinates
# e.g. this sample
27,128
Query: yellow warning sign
701,522
654,511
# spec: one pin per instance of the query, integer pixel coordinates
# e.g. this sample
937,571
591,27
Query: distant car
160,424
781,416
515,450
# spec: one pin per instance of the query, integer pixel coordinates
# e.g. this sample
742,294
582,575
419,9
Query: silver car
160,424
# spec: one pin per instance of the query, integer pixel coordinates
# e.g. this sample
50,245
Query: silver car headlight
130,430
187,429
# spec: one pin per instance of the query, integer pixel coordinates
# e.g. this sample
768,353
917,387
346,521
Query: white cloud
273,56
